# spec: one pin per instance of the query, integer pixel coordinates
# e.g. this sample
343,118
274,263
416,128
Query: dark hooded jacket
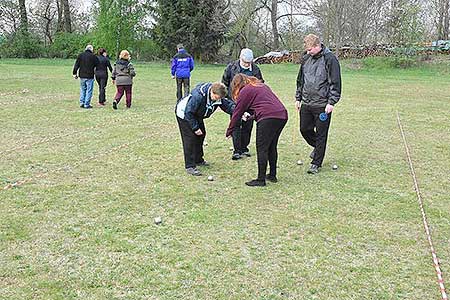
319,79
198,105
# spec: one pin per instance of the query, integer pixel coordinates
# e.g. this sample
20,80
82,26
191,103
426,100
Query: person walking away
271,116
243,131
182,66
318,91
101,74
84,69
122,76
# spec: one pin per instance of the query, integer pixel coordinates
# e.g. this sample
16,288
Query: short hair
311,40
90,48
124,54
180,46
219,88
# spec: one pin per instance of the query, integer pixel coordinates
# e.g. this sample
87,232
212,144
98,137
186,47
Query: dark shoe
88,107
256,182
246,153
193,171
236,156
114,104
311,155
271,178
203,164
313,169
81,105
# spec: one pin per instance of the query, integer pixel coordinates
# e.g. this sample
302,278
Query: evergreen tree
198,24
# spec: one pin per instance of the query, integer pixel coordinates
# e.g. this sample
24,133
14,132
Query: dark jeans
102,82
241,136
315,131
128,94
185,83
267,134
192,143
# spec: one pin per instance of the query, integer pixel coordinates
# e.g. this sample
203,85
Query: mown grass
83,228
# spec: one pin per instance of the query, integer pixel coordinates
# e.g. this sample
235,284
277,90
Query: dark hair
100,51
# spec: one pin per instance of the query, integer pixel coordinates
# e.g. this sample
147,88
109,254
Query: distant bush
401,61
20,46
148,50
68,45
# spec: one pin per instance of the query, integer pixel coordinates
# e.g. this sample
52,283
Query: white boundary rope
424,217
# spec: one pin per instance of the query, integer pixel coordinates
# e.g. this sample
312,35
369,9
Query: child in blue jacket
182,65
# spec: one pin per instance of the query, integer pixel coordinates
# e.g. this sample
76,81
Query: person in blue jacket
190,112
182,65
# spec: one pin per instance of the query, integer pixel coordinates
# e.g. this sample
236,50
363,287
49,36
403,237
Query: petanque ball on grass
299,162
231,148
205,144
334,167
210,178
158,220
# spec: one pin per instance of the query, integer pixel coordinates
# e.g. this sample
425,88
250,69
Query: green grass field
82,224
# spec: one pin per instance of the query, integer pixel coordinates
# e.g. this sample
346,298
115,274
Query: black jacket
319,79
85,65
199,106
235,68
101,71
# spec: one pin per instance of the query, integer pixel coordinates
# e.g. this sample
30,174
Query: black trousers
185,83
315,131
241,136
192,143
267,134
102,82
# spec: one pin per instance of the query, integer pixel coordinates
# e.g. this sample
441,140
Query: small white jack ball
205,144
334,167
210,178
231,148
299,162
158,220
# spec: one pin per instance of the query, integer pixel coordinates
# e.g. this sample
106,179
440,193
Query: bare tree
23,17
67,16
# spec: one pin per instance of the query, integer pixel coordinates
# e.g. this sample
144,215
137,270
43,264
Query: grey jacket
123,72
319,79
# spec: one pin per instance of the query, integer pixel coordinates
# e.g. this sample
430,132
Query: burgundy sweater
262,101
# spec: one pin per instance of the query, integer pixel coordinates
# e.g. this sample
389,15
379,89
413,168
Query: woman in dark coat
101,74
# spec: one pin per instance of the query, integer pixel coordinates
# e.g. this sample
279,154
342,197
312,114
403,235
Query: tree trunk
67,19
273,17
23,18
60,21
445,25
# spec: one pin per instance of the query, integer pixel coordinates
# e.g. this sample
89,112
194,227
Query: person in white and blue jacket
182,65
190,112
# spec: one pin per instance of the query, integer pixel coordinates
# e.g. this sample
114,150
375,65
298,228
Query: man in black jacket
242,132
85,66
318,91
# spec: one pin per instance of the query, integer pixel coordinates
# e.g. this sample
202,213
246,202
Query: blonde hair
219,89
124,54
311,40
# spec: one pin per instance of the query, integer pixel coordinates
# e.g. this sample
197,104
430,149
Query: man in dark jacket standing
318,91
85,66
182,65
242,132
